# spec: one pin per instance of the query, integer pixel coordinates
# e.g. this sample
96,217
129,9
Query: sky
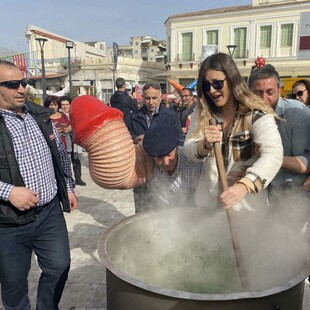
95,20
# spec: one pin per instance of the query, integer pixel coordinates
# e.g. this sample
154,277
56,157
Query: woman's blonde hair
244,98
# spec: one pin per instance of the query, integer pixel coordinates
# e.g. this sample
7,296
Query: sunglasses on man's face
298,94
217,85
14,84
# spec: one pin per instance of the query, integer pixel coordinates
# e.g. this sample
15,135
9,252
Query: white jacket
265,135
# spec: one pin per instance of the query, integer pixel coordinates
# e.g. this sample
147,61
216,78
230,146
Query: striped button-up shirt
174,190
34,157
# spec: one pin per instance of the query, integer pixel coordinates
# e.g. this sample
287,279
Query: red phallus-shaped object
114,160
88,114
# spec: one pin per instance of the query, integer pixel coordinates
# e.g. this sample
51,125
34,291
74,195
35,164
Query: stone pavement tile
81,296
99,298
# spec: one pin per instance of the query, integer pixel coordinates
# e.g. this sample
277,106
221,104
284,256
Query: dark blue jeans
48,238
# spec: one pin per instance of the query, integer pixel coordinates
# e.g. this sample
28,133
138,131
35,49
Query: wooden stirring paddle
229,212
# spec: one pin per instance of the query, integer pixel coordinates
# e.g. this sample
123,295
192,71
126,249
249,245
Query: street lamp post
41,43
69,45
231,49
115,58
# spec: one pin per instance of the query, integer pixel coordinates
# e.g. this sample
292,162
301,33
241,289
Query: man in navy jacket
152,114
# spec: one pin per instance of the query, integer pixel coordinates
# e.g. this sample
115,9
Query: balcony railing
23,61
64,61
186,57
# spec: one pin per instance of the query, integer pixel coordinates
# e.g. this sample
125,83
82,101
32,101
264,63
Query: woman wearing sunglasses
245,127
301,91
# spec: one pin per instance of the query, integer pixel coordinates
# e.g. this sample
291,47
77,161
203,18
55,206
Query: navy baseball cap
160,140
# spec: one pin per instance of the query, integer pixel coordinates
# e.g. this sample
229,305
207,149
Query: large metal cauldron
183,259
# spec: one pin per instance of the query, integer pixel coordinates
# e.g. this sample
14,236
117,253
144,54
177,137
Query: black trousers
76,164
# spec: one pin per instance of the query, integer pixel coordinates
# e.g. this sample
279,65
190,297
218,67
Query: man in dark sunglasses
301,91
294,131
298,94
14,84
12,93
36,186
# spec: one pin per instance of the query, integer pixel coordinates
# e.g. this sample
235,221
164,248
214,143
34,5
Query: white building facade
277,30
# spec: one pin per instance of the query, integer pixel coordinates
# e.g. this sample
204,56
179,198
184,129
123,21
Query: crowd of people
264,139
61,120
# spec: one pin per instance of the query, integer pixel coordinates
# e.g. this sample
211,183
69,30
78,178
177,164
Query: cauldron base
123,296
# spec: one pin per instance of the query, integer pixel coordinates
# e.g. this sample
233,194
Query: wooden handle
233,231
219,161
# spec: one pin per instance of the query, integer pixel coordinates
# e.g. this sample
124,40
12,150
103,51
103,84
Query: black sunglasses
217,85
298,94
14,84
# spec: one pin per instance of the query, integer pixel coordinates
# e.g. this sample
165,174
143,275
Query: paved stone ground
98,210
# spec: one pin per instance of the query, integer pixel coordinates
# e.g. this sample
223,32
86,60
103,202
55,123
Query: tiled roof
235,9
50,36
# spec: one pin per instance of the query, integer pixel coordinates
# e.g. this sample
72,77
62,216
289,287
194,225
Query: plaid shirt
177,189
34,158
243,146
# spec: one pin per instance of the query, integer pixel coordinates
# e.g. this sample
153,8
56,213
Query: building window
187,46
107,91
265,36
212,37
90,91
240,40
286,35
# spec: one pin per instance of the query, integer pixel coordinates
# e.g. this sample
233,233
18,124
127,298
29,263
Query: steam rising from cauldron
290,207
190,250
160,195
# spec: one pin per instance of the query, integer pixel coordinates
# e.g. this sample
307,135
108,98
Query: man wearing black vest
36,186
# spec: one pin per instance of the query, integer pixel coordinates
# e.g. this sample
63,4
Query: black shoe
80,182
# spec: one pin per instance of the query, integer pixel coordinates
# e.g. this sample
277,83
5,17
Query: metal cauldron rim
104,257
